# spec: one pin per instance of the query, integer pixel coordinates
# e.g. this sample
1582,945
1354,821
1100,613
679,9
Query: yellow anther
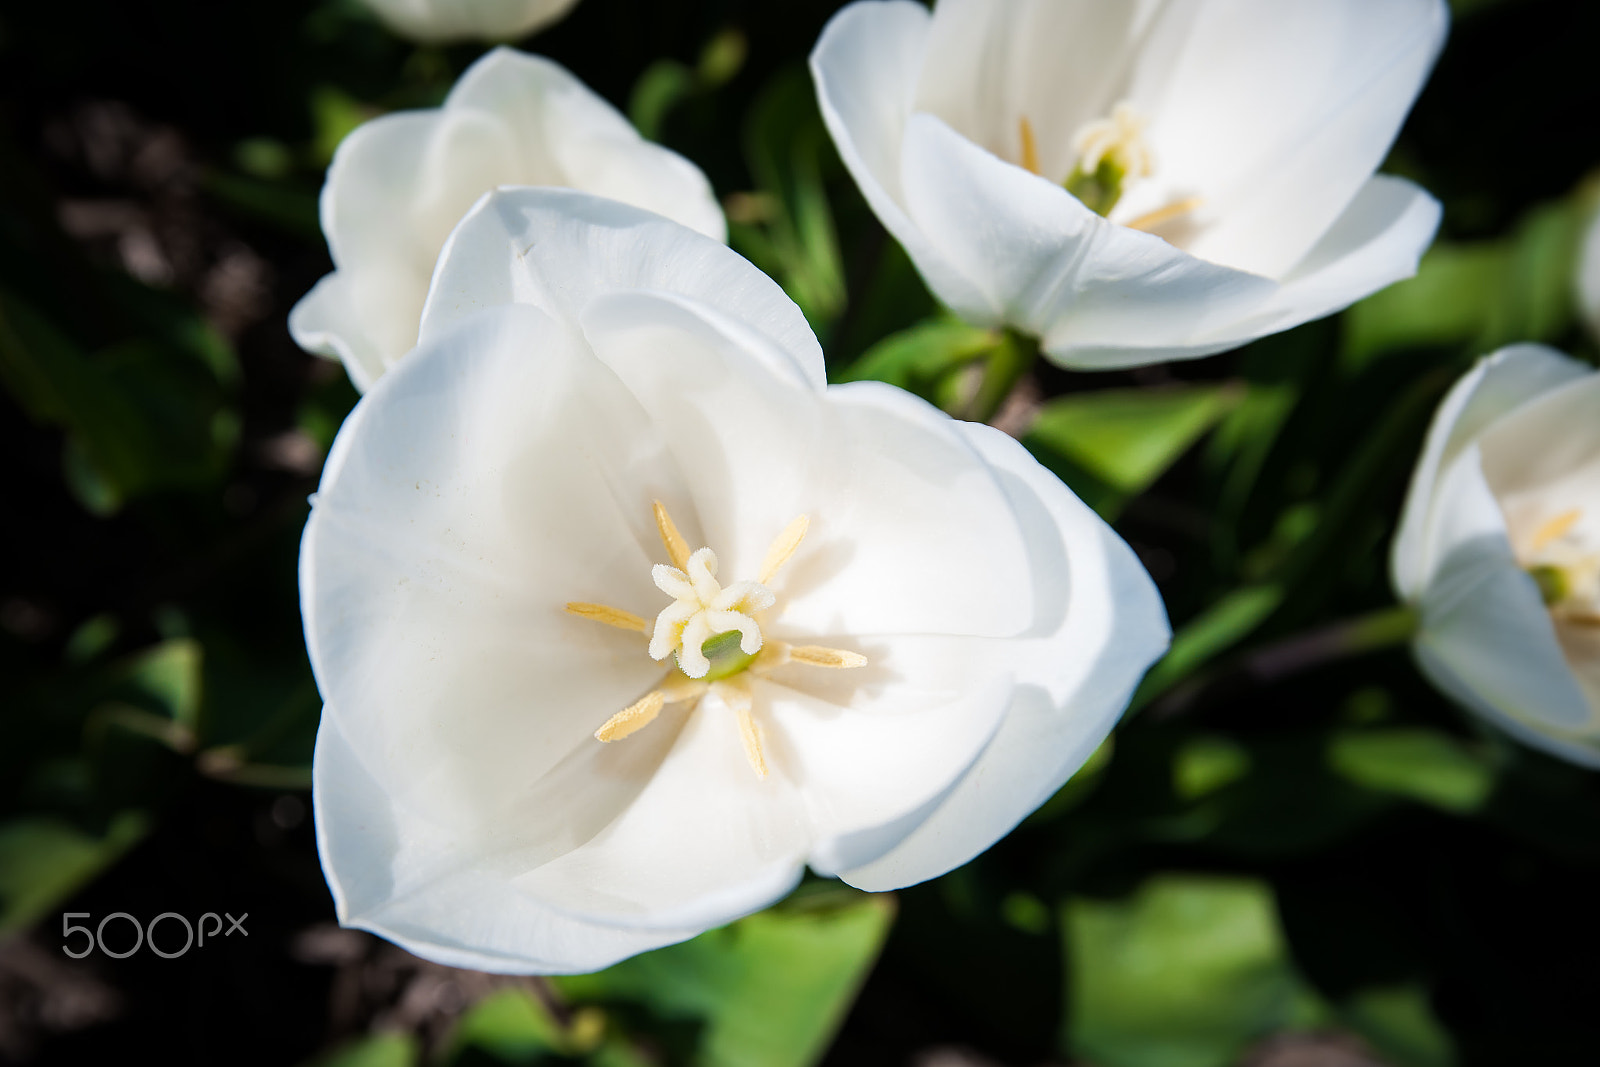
817,656
1151,219
632,718
783,547
677,547
622,620
1030,147
1554,530
736,694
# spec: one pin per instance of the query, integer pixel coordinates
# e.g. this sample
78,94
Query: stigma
713,632
1111,153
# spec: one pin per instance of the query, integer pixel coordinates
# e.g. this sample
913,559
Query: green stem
1372,632
1011,358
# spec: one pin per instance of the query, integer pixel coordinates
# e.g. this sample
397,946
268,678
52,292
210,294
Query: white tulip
1229,144
1499,548
1588,276
400,183
615,439
455,20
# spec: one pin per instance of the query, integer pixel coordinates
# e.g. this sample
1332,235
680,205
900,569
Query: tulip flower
622,616
1499,549
1136,182
1588,275
400,183
435,21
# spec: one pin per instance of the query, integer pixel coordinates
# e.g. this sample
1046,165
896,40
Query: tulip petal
1095,600
1522,455
866,65
1050,266
1275,115
705,842
558,249
453,20
417,888
570,136
329,321
473,492
909,532
1499,384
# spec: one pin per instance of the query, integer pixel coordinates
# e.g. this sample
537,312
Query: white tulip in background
929,633
454,20
400,183
1241,134
1588,278
1499,548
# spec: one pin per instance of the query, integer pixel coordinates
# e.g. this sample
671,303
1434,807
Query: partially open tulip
1135,182
434,21
623,617
1499,548
400,183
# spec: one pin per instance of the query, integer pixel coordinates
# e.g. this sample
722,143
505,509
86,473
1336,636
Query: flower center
1111,152
714,633
1566,569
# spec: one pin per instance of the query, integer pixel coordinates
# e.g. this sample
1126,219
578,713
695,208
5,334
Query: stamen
1151,219
1554,530
817,656
784,545
736,694
677,547
1030,147
622,620
1111,152
632,718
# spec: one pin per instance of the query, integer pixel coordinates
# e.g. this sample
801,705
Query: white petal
1588,279
909,532
705,842
1276,114
568,135
1100,624
327,321
866,65
1551,446
1049,265
1499,384
417,887
1058,63
868,745
476,490
558,249
453,20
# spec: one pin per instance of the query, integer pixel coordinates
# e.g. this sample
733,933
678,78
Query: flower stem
1372,632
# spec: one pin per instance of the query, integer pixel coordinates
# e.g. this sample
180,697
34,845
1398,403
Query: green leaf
917,358
510,1024
1401,1026
663,85
1206,764
170,675
1129,437
44,861
1424,765
771,989
1187,973
376,1050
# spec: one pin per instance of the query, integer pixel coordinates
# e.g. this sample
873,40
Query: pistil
715,634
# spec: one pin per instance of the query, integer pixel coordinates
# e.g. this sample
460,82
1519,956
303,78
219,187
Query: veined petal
1099,623
411,882
1051,266
705,842
475,491
567,248
910,533
866,66
1276,115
